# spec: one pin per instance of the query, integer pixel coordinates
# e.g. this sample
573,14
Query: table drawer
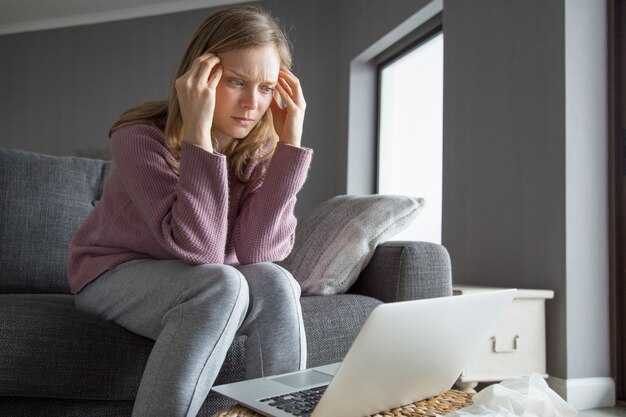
517,343
515,347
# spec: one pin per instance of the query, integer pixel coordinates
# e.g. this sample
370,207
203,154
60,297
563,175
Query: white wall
586,130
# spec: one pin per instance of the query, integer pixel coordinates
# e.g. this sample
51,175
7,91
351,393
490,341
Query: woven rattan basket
438,405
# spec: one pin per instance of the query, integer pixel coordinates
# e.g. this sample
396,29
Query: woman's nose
249,99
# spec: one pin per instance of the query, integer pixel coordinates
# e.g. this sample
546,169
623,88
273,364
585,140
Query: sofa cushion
336,242
43,201
332,323
51,350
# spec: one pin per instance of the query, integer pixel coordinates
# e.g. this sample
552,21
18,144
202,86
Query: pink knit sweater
201,215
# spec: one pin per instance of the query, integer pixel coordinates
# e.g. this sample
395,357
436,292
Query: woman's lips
243,121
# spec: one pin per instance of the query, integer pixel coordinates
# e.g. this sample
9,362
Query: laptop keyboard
299,403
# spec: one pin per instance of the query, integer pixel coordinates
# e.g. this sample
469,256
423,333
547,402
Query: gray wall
62,89
524,158
525,165
504,150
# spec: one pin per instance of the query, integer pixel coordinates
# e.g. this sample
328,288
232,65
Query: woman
198,203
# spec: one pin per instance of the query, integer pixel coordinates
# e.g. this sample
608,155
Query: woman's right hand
196,97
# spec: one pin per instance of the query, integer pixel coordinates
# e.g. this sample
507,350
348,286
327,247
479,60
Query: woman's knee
270,278
218,282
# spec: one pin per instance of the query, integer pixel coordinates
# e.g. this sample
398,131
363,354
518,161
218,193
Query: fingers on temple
290,86
215,77
285,95
203,65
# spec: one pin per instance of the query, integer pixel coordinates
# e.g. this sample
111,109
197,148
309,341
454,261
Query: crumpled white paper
528,396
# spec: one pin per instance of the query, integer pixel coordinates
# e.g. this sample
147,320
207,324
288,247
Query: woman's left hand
288,121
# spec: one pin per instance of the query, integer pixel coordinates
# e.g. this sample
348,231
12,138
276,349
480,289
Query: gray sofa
57,361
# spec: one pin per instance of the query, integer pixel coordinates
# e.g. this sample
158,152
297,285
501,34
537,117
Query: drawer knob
495,345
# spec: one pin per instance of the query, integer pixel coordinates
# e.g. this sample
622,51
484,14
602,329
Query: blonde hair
229,29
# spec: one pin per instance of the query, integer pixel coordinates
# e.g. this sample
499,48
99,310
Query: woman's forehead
258,64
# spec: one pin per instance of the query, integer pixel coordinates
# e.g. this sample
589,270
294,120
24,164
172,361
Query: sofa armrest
401,271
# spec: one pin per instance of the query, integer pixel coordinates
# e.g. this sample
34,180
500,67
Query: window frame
407,44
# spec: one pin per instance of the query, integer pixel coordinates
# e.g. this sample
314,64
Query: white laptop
405,352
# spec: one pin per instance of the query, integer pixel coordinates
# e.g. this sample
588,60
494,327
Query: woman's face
245,91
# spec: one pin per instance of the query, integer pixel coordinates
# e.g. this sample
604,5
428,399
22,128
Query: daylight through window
411,134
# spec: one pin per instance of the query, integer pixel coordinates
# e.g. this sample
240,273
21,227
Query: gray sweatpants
193,312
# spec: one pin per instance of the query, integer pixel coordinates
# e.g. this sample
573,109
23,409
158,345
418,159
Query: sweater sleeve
185,213
265,226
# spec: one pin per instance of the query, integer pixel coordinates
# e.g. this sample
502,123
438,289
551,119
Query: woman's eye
268,89
237,83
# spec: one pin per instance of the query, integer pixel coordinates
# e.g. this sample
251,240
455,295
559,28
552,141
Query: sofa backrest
43,201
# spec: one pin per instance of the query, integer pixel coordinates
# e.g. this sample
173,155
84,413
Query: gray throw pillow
336,242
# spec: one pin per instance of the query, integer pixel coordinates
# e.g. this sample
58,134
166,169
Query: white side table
517,345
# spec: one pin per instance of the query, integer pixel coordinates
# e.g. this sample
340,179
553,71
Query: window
410,130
